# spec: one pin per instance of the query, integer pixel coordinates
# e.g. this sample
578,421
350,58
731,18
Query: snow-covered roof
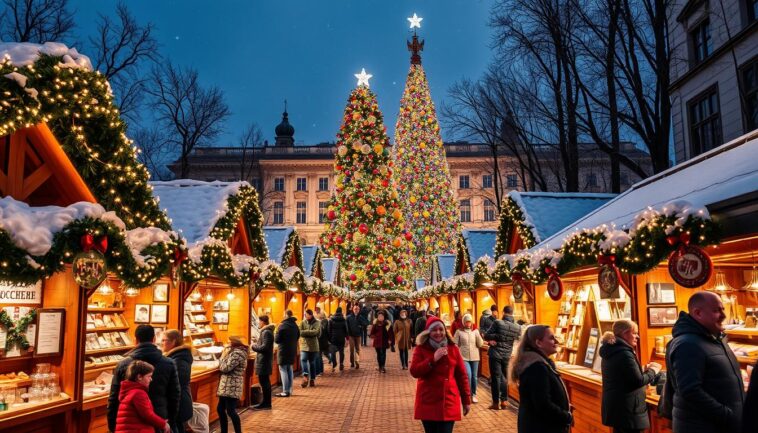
276,240
309,255
446,264
545,213
23,54
331,266
480,243
33,228
194,206
730,170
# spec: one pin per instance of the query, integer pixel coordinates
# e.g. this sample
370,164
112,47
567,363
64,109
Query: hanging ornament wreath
16,331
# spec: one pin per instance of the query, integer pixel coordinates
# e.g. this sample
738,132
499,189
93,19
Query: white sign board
11,294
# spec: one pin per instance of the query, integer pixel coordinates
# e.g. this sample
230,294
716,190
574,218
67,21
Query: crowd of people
703,391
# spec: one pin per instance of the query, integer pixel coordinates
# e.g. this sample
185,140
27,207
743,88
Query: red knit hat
431,320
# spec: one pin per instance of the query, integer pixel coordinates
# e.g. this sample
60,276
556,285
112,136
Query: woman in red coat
135,411
382,337
442,380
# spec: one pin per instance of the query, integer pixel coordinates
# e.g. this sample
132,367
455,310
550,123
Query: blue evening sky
261,52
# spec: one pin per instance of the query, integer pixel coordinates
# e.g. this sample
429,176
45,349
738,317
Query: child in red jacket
135,411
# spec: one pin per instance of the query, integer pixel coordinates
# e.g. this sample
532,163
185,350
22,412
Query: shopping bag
199,421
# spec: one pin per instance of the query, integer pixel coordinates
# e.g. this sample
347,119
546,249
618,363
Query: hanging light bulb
721,285
230,295
273,299
208,296
752,284
131,292
195,295
105,288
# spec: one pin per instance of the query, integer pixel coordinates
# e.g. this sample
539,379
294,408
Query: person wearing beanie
437,364
469,342
381,338
338,334
231,384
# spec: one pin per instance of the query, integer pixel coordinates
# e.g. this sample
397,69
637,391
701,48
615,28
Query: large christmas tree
422,173
366,226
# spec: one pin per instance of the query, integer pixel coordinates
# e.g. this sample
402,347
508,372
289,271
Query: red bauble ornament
408,236
339,240
363,228
385,183
331,215
399,279
353,277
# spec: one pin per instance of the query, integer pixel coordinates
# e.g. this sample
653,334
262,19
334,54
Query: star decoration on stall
415,21
363,78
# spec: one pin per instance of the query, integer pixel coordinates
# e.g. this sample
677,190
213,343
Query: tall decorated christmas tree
422,173
366,225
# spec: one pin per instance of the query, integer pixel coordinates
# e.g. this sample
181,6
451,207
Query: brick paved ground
364,400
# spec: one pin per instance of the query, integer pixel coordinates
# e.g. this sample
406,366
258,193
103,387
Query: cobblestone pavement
367,401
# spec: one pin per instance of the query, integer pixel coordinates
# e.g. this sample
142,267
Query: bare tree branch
36,21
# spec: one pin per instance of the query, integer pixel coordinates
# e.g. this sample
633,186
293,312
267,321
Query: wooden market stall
225,247
661,235
76,218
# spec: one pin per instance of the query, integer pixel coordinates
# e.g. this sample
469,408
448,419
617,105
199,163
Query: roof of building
446,263
309,259
546,213
726,172
331,268
276,240
194,206
480,243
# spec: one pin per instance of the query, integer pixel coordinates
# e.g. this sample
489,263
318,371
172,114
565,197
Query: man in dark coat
354,333
501,335
364,325
487,319
420,324
264,350
286,338
182,357
708,392
750,413
164,390
624,382
338,333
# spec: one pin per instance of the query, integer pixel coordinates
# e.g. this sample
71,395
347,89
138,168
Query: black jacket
182,357
286,337
624,383
354,325
164,390
706,380
419,326
504,332
337,330
485,322
544,404
264,351
750,414
323,338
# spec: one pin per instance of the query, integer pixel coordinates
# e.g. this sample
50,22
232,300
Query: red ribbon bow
517,277
549,270
179,256
606,259
89,243
680,241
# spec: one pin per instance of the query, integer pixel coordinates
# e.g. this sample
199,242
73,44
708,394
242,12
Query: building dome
284,129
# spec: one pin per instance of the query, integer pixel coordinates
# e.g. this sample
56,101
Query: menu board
50,331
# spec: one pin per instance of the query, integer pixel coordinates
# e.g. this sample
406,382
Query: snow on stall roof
32,228
194,206
548,212
309,254
23,54
480,243
446,263
276,241
330,264
727,171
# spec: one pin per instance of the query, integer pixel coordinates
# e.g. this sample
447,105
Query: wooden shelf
118,328
101,365
202,333
201,321
202,345
109,350
105,310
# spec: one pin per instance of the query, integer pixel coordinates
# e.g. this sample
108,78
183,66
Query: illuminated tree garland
422,175
78,107
510,215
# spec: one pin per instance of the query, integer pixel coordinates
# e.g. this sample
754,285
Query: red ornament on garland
689,265
609,277
554,284
363,228
331,215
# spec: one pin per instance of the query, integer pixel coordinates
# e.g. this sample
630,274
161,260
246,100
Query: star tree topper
363,77
415,21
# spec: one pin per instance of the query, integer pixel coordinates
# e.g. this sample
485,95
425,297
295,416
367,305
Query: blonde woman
624,380
469,342
544,402
174,347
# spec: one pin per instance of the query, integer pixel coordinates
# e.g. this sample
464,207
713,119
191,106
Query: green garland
511,215
293,247
78,107
20,267
16,332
